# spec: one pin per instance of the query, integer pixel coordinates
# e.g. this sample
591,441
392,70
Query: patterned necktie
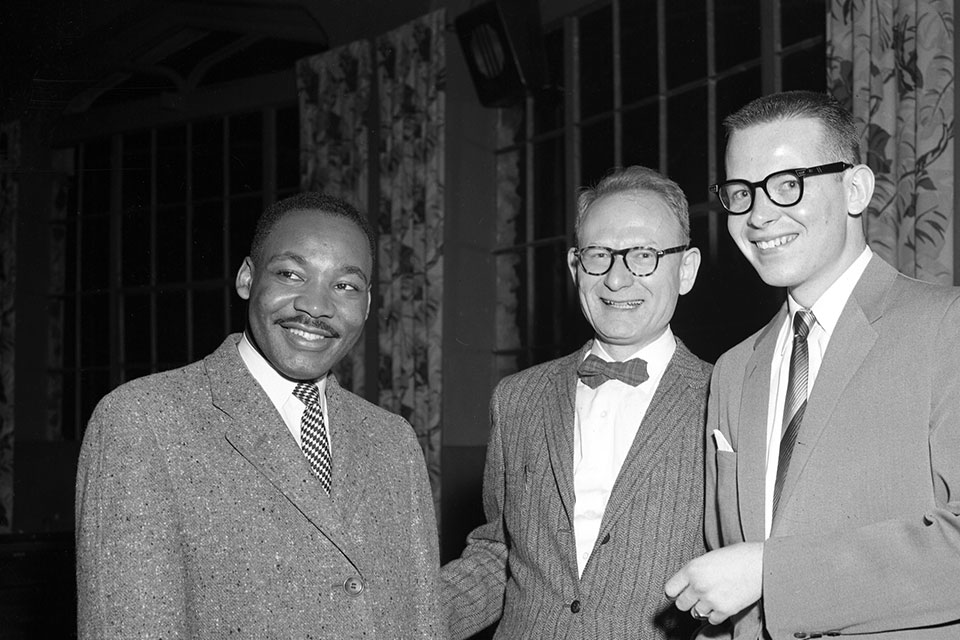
595,371
796,400
313,433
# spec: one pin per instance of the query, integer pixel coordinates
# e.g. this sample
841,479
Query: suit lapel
559,410
751,440
258,434
852,339
657,428
348,433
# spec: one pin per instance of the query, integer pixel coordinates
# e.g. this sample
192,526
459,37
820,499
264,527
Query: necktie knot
307,393
803,321
594,371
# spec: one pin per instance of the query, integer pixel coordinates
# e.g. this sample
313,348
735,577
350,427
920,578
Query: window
157,223
640,83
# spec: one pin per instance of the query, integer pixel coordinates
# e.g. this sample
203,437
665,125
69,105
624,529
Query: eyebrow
300,260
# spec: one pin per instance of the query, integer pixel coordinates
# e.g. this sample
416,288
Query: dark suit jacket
520,567
198,516
867,537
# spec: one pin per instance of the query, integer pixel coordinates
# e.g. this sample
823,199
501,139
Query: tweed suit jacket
198,516
867,535
521,568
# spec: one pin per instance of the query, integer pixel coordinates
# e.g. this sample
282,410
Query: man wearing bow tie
593,487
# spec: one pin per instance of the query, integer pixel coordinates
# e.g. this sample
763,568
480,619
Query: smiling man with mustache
593,487
248,494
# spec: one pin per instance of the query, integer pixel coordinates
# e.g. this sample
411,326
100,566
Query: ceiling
68,57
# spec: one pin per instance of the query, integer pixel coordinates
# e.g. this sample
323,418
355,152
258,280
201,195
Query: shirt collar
829,306
657,354
278,388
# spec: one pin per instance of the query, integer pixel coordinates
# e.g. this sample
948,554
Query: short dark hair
636,179
309,201
841,141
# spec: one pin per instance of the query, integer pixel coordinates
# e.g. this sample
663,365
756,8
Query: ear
573,263
366,314
245,278
860,184
689,267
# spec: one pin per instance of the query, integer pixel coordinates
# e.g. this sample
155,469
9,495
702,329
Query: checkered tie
313,433
594,371
796,400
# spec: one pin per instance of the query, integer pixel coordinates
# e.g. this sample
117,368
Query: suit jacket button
575,606
606,539
353,586
800,634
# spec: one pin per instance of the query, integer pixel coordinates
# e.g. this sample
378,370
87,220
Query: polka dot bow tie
595,371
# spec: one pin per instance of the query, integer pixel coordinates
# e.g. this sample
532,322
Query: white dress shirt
827,311
606,421
280,390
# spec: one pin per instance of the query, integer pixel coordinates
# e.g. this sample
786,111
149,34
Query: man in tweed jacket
198,514
593,486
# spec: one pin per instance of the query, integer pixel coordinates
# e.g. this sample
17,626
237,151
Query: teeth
626,304
776,242
305,335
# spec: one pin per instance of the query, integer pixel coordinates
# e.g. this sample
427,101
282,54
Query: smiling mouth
622,304
773,243
306,335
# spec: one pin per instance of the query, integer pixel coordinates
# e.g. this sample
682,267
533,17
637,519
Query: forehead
312,230
766,147
629,218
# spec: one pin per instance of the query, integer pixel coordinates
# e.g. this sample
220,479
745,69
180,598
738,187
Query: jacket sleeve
474,584
130,581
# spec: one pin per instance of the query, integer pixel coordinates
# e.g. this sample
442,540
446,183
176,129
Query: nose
314,301
763,211
619,276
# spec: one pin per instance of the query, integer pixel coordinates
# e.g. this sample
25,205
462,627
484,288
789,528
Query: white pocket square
721,442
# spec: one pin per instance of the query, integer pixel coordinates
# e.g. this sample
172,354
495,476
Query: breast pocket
728,503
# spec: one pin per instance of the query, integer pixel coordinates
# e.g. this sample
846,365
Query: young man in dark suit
593,484
247,494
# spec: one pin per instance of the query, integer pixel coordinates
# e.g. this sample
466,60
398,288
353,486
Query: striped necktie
796,400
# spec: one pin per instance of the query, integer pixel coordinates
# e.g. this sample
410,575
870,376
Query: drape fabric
386,97
9,161
892,62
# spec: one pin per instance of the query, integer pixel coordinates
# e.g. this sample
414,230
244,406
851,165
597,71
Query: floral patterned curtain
892,63
399,91
9,161
411,72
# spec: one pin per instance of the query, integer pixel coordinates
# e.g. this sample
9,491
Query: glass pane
557,324
171,245
686,41
95,196
94,330
806,69
137,323
172,164
732,93
68,406
802,19
638,50
511,182
550,106
641,137
135,248
95,252
94,384
737,32
208,329
136,170
687,142
549,182
288,148
69,332
208,159
243,219
208,230
171,328
596,62
596,145
246,156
